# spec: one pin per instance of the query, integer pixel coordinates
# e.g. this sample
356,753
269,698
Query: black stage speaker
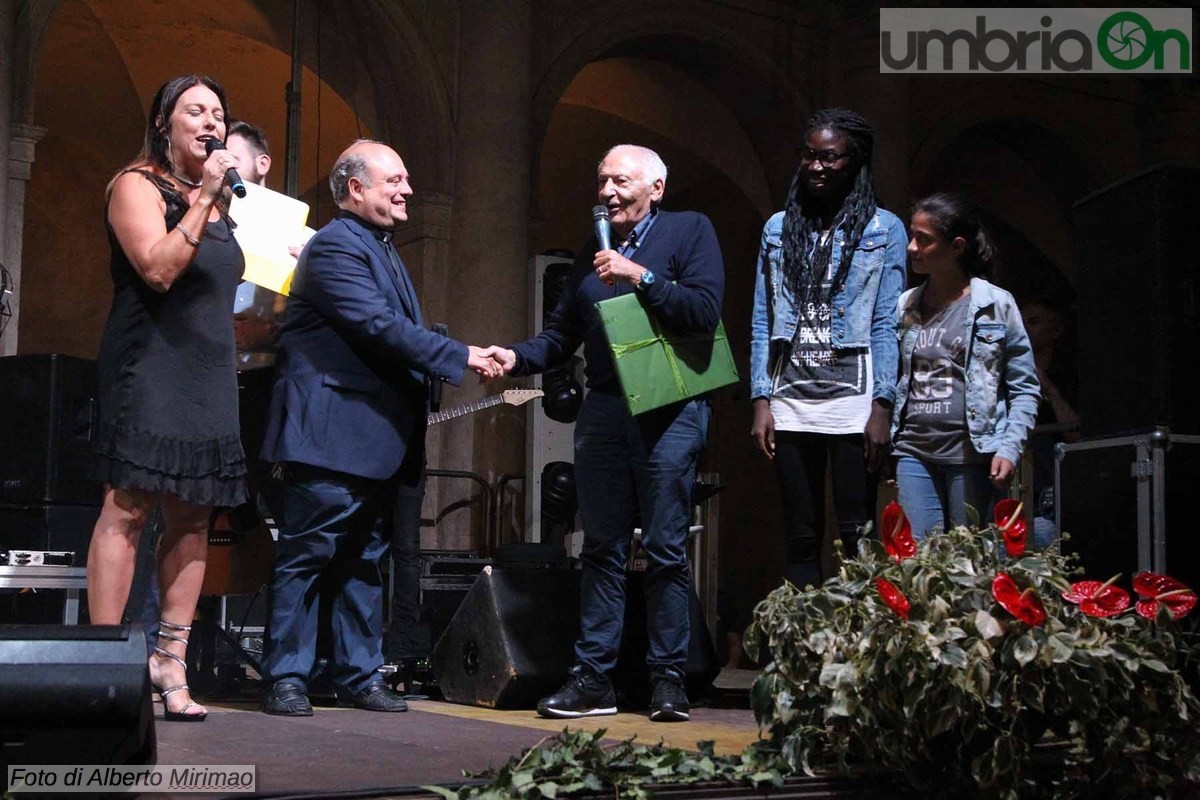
75,695
511,641
47,415
1138,315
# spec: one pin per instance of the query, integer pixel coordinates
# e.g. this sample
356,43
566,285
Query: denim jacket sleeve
760,324
885,349
1022,387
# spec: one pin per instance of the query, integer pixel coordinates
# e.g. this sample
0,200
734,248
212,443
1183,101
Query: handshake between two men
610,268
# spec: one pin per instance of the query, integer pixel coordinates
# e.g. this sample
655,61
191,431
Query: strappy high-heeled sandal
168,714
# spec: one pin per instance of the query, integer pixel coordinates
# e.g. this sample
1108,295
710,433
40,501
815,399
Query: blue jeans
624,464
936,495
333,530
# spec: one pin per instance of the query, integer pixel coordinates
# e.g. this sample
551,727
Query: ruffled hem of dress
207,491
204,471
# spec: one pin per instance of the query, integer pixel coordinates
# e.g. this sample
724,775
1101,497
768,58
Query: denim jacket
863,310
1002,383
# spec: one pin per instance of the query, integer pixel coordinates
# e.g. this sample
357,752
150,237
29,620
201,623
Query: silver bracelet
192,240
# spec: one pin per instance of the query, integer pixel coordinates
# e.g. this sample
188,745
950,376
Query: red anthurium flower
1025,606
892,597
1012,526
1155,589
896,533
1098,599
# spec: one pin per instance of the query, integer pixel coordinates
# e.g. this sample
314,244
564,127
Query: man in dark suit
626,464
348,427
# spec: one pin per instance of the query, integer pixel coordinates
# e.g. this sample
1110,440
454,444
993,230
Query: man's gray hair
653,167
350,164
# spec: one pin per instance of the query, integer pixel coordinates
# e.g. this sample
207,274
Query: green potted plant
974,669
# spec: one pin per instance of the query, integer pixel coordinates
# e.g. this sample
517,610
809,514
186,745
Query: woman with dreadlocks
823,352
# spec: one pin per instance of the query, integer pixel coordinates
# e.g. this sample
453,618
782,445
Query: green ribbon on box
696,362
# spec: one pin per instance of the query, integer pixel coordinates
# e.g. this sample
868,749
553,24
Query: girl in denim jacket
823,342
968,389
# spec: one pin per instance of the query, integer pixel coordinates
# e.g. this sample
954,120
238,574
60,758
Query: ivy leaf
1025,649
953,656
979,680
987,625
834,676
1058,651
838,705
449,794
964,566
1034,566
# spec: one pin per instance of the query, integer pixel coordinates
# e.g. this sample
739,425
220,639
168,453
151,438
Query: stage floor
339,750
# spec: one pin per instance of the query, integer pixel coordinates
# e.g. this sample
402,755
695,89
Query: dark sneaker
585,694
668,701
379,696
287,700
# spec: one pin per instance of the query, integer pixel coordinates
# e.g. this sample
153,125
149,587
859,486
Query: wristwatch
645,281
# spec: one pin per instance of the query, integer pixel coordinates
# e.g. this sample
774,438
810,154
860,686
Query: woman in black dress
168,432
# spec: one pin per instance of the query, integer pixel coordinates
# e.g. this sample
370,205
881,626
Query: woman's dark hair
155,149
155,152
952,215
805,266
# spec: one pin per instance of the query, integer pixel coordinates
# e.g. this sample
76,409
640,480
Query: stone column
487,284
8,12
22,141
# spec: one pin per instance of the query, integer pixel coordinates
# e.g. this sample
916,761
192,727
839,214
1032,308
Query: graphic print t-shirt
934,425
817,388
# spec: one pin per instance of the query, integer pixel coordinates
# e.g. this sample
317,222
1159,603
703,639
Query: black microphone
231,176
603,230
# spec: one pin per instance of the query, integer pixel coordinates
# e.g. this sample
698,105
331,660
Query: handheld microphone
603,229
232,178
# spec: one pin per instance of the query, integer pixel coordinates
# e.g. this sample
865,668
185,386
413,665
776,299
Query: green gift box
657,366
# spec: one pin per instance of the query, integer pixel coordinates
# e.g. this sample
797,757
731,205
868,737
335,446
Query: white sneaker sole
564,714
670,716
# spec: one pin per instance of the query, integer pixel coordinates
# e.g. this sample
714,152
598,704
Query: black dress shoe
379,696
287,700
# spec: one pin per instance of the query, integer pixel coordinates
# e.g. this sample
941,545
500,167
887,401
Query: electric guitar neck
512,397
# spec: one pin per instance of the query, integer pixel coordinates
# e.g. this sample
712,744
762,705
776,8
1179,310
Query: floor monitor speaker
75,694
510,642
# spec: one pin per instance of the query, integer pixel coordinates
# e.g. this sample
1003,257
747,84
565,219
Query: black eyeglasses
828,158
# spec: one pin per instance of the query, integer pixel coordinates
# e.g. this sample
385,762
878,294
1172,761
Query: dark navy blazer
350,393
681,250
